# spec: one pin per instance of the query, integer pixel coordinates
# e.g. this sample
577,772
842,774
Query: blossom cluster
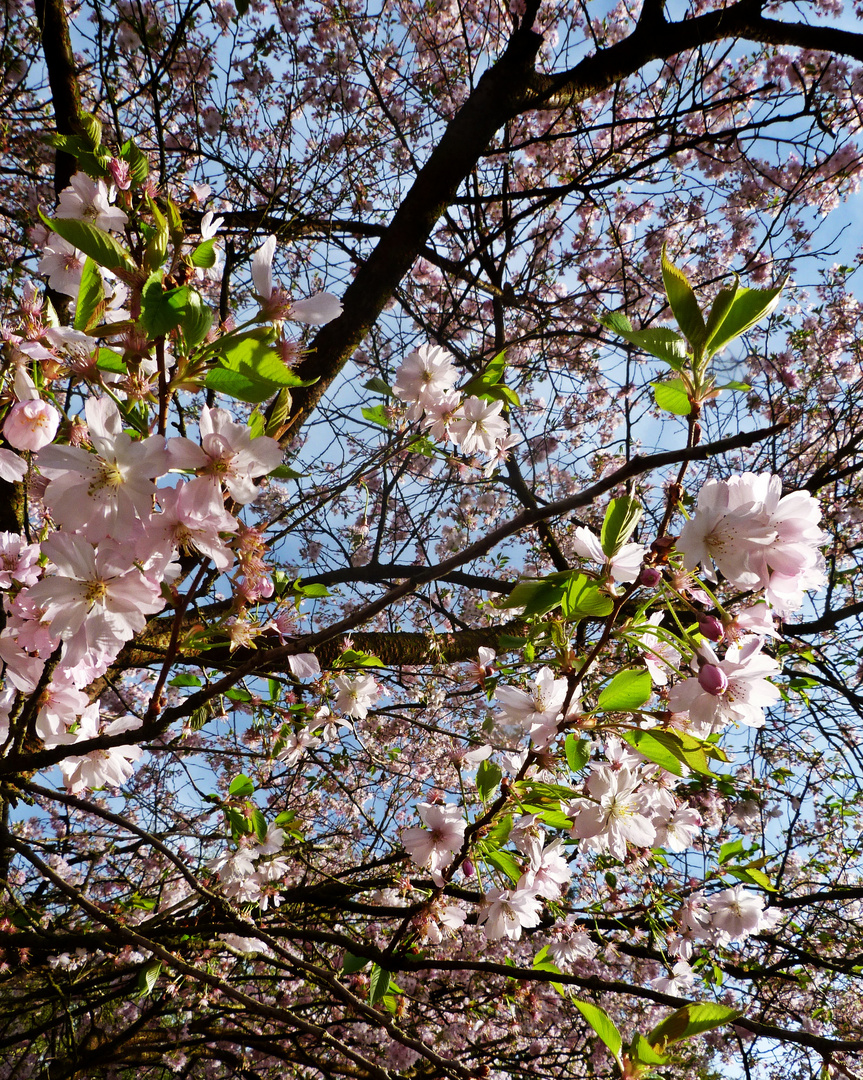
426,380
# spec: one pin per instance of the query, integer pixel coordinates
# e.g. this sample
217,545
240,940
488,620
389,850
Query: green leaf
376,414
602,1024
642,1053
577,752
379,387
108,360
259,825
748,307
659,341
672,395
277,416
252,355
185,680
751,875
628,690
139,164
285,472
684,748
729,850
205,713
353,657
379,983
583,599
204,255
691,1020
92,127
156,250
734,384
95,242
148,978
90,306
503,861
241,787
682,301
352,963
488,777
233,384
536,597
621,518
719,309
161,311
197,319
654,750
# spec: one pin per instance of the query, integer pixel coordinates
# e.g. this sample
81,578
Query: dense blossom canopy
429,526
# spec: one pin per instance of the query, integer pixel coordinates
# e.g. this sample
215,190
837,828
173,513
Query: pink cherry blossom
478,426
613,815
112,766
623,566
356,696
424,379
435,846
30,425
505,913
105,493
227,453
742,698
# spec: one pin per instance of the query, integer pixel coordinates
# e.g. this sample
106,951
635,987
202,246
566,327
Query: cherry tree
430,523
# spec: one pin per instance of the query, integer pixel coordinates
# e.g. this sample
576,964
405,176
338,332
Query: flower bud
713,680
467,868
711,627
650,576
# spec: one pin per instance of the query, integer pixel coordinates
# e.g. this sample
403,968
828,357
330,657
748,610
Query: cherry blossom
424,380
623,566
356,696
506,912
435,846
734,690
478,426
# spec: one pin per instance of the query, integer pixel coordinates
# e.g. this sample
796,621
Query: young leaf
148,977
379,387
351,963
487,779
621,517
602,1024
653,750
536,597
204,255
628,690
682,300
503,861
642,1053
241,787
577,752
91,297
691,1020
376,414
672,395
659,341
749,307
95,242
583,599
379,983
233,384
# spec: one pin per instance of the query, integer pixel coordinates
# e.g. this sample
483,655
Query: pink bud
711,627
467,868
650,576
713,680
